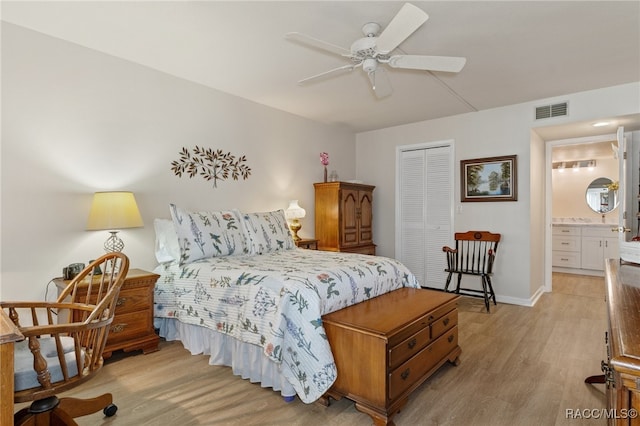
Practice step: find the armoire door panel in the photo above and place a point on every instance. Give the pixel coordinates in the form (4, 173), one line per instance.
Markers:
(365, 216)
(349, 217)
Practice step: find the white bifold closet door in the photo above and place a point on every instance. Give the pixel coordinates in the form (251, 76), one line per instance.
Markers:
(425, 212)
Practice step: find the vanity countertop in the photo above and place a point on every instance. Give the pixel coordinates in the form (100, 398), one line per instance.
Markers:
(594, 224)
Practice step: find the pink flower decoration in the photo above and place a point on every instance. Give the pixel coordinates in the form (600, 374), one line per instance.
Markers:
(324, 158)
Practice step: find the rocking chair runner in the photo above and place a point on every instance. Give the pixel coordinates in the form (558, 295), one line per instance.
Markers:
(59, 355)
(474, 254)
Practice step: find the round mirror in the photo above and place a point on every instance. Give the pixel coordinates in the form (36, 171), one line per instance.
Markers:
(602, 195)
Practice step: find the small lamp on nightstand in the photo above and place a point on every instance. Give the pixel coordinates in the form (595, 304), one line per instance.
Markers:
(294, 213)
(112, 211)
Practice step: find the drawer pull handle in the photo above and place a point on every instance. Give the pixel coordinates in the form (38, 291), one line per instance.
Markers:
(118, 328)
(450, 338)
(405, 374)
(430, 318)
(121, 301)
(412, 343)
(446, 321)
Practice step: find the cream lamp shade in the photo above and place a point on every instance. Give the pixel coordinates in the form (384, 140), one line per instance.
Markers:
(294, 213)
(113, 211)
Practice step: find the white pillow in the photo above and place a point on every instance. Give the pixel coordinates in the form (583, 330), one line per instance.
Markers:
(208, 234)
(167, 247)
(267, 232)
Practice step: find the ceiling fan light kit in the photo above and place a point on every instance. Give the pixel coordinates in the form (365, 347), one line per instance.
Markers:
(373, 49)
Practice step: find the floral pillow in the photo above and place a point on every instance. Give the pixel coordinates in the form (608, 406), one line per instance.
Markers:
(267, 232)
(208, 234)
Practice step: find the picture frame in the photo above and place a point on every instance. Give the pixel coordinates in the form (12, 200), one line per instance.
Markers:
(489, 179)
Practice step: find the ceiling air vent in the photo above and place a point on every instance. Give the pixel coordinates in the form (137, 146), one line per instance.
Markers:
(548, 111)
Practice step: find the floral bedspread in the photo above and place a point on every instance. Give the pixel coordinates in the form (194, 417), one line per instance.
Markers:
(276, 301)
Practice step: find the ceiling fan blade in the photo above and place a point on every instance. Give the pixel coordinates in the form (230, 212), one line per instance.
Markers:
(380, 83)
(428, 63)
(328, 74)
(319, 44)
(408, 19)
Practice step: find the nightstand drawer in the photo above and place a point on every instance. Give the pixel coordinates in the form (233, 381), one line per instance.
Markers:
(310, 244)
(126, 326)
(132, 300)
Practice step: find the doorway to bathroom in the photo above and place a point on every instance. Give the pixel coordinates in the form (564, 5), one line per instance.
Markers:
(584, 178)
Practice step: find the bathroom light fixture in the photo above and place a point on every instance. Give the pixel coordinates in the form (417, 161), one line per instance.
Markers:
(574, 165)
(601, 124)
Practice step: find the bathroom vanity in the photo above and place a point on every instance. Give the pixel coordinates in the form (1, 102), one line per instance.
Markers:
(582, 248)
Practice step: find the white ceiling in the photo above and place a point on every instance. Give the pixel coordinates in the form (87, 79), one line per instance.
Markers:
(516, 51)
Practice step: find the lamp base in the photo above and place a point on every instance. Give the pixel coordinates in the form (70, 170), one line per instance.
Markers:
(295, 226)
(113, 243)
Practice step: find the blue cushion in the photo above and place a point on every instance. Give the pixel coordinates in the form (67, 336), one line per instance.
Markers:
(25, 376)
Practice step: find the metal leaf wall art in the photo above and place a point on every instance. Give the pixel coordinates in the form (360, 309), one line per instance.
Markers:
(212, 165)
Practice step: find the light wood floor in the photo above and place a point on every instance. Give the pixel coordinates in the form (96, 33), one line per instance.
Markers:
(520, 366)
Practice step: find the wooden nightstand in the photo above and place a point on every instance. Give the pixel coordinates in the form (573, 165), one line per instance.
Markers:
(307, 244)
(132, 326)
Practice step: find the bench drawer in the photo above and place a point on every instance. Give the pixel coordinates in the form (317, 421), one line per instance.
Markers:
(444, 323)
(411, 371)
(411, 346)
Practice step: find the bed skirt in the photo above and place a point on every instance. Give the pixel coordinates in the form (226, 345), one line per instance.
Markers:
(246, 360)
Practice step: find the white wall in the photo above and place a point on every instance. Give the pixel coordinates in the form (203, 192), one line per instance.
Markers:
(495, 132)
(569, 189)
(76, 121)
(537, 213)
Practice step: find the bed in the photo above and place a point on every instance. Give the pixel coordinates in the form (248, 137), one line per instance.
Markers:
(235, 287)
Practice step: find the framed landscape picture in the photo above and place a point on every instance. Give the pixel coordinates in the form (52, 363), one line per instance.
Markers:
(489, 179)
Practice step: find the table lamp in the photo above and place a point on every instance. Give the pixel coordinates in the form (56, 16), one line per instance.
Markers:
(113, 211)
(294, 213)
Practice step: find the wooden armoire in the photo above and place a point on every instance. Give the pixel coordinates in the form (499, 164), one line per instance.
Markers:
(344, 217)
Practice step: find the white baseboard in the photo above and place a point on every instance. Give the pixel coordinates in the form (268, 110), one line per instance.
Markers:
(530, 302)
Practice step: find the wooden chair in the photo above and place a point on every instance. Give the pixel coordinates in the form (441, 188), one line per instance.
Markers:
(58, 355)
(474, 254)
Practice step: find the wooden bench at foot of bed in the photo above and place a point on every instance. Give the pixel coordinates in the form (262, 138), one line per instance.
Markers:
(385, 347)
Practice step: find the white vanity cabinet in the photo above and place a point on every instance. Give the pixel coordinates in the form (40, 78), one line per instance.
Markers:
(566, 246)
(583, 248)
(598, 243)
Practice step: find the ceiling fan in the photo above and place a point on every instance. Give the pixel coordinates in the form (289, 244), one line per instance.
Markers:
(373, 50)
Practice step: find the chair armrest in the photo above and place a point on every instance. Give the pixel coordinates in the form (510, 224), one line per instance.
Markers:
(45, 312)
(448, 249)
